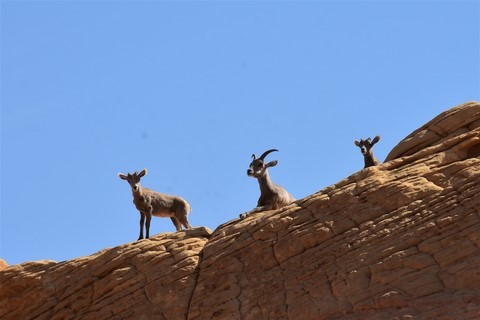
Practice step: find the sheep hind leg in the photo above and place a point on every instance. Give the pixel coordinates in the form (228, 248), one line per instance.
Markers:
(182, 217)
(185, 223)
(176, 223)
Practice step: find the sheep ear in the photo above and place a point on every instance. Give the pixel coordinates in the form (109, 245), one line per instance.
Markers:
(142, 173)
(122, 176)
(271, 164)
(376, 139)
(357, 143)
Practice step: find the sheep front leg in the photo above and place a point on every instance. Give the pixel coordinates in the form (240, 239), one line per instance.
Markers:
(255, 210)
(147, 225)
(142, 222)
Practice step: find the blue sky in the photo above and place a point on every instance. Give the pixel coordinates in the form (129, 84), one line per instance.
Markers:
(190, 90)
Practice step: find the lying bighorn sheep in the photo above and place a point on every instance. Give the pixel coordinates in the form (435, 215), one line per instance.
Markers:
(366, 149)
(151, 203)
(272, 196)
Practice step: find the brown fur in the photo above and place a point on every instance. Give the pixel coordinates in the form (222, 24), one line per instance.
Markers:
(151, 203)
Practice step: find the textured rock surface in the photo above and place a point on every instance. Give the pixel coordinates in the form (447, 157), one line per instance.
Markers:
(3, 264)
(448, 124)
(148, 279)
(396, 241)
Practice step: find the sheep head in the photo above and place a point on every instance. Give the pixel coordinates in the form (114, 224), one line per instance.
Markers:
(258, 167)
(366, 145)
(133, 179)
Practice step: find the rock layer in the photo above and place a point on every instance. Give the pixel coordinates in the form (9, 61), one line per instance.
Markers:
(148, 279)
(451, 123)
(396, 241)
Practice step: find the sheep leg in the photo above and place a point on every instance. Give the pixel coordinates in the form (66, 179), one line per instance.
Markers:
(243, 215)
(147, 225)
(182, 215)
(176, 223)
(142, 222)
(186, 224)
(255, 210)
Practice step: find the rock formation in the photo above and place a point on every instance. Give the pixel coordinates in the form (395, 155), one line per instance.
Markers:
(396, 241)
(3, 264)
(148, 279)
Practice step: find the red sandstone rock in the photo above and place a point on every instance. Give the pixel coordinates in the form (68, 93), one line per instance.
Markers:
(3, 264)
(148, 279)
(396, 241)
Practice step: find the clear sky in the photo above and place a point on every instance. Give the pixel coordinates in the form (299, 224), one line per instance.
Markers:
(190, 90)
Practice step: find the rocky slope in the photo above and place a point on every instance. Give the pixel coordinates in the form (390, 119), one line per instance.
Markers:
(396, 241)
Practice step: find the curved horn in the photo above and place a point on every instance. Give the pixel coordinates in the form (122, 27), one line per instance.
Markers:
(266, 153)
(253, 156)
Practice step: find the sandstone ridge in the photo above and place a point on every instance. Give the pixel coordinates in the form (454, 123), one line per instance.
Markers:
(396, 241)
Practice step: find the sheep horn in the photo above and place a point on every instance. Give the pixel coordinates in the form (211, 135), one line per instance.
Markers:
(266, 153)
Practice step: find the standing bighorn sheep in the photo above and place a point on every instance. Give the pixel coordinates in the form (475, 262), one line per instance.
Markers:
(366, 149)
(151, 203)
(272, 196)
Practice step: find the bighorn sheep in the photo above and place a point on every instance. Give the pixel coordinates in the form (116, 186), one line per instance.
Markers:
(366, 149)
(272, 196)
(151, 203)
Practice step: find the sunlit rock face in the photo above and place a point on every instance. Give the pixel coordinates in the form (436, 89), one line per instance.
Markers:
(396, 241)
(147, 279)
